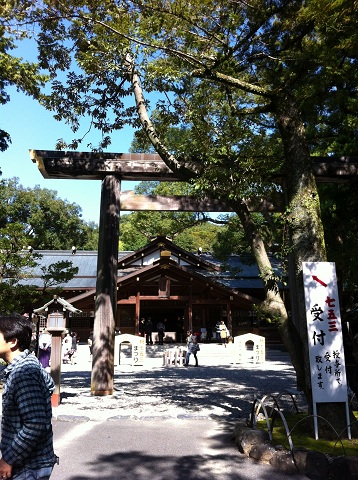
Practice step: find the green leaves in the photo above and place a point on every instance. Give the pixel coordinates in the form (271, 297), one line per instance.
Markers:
(36, 219)
(47, 221)
(57, 273)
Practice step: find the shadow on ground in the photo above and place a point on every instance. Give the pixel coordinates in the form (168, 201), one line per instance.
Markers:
(209, 390)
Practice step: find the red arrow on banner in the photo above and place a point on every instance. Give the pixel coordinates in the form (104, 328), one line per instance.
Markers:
(318, 280)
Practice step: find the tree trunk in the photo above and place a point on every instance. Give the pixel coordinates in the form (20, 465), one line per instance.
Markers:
(273, 303)
(303, 218)
(306, 237)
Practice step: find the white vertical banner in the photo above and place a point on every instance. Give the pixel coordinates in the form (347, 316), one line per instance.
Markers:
(325, 339)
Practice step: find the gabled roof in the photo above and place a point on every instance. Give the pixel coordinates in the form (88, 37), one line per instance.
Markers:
(55, 301)
(178, 274)
(146, 261)
(162, 245)
(171, 269)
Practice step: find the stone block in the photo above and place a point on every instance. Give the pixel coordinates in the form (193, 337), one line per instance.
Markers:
(262, 453)
(239, 430)
(314, 463)
(344, 467)
(253, 437)
(283, 461)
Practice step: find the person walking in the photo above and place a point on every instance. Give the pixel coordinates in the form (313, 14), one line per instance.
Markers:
(26, 430)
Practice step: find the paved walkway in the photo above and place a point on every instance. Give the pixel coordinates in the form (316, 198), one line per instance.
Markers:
(164, 422)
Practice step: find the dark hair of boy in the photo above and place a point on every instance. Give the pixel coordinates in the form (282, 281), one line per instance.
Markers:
(19, 327)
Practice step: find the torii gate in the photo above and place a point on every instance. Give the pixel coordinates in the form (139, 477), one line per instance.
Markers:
(111, 169)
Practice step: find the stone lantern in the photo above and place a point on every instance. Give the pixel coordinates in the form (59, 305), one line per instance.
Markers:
(57, 311)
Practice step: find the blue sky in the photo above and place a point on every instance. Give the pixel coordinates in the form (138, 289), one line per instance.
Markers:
(31, 126)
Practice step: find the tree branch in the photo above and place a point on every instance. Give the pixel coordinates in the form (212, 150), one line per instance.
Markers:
(234, 82)
(185, 171)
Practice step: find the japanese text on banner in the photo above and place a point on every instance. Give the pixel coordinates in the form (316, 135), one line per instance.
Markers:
(325, 339)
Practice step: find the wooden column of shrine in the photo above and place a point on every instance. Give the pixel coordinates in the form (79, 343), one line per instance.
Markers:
(229, 317)
(137, 313)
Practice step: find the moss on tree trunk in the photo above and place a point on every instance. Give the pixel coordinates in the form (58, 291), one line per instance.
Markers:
(306, 242)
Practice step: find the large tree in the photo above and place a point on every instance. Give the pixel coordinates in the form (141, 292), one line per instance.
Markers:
(267, 72)
(48, 221)
(35, 219)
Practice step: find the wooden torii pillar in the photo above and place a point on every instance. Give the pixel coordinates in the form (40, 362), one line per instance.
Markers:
(106, 288)
(111, 168)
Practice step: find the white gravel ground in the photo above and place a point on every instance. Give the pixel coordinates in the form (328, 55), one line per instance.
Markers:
(217, 388)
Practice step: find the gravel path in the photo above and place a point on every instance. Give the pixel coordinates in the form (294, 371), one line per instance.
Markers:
(217, 388)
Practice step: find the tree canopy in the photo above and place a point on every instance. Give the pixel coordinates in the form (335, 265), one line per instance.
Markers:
(35, 219)
(47, 221)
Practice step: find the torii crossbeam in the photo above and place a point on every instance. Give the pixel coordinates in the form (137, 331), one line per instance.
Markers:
(111, 169)
(145, 166)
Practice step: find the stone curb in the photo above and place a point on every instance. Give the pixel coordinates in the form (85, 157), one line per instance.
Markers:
(71, 418)
(254, 443)
(83, 419)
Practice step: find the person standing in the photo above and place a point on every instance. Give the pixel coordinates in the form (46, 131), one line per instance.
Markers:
(74, 341)
(90, 343)
(217, 331)
(148, 331)
(223, 332)
(26, 430)
(142, 327)
(192, 348)
(67, 348)
(161, 331)
(45, 348)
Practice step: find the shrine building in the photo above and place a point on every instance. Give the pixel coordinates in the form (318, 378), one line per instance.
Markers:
(162, 281)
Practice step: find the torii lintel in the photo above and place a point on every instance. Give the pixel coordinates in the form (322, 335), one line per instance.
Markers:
(148, 166)
(95, 166)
